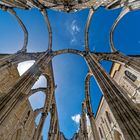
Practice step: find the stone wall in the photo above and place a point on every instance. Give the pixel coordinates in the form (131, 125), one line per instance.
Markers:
(106, 123)
(20, 124)
(8, 77)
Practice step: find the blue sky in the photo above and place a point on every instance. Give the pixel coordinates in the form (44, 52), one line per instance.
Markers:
(70, 70)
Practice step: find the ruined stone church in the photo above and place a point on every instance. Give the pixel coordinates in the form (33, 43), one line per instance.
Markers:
(118, 114)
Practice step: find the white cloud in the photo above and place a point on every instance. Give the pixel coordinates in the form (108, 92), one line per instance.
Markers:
(24, 66)
(76, 118)
(74, 27)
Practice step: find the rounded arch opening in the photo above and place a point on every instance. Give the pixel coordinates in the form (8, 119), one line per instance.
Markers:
(41, 82)
(37, 100)
(24, 66)
(15, 32)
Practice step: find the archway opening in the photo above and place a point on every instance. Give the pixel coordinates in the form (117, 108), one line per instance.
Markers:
(24, 66)
(37, 100)
(69, 77)
(41, 82)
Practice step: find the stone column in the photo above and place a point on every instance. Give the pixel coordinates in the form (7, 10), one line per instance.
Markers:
(46, 109)
(38, 131)
(84, 122)
(89, 108)
(52, 122)
(128, 7)
(126, 115)
(53, 133)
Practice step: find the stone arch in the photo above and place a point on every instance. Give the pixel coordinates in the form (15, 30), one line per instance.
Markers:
(126, 9)
(39, 91)
(66, 51)
(13, 13)
(89, 107)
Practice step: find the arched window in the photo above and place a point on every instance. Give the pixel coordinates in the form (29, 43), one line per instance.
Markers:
(24, 66)
(130, 75)
(100, 131)
(28, 113)
(108, 117)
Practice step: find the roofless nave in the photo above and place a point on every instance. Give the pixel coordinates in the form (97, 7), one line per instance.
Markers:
(15, 93)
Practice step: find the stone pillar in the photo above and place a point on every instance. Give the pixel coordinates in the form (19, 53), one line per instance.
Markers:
(84, 123)
(126, 115)
(52, 122)
(46, 109)
(80, 132)
(89, 108)
(53, 133)
(38, 131)
(91, 12)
